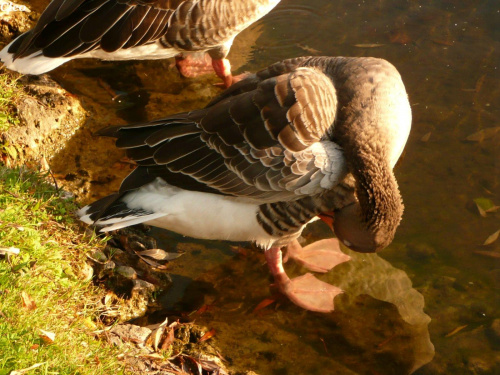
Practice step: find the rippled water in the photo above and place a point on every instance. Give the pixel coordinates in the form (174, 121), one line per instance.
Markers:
(428, 303)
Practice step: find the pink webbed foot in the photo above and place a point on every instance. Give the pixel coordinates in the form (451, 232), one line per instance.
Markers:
(196, 64)
(310, 293)
(193, 65)
(305, 291)
(320, 256)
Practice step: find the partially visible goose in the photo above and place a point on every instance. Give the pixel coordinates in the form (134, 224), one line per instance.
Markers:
(304, 138)
(134, 29)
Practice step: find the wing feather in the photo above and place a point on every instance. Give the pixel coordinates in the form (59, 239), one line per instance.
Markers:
(70, 27)
(267, 141)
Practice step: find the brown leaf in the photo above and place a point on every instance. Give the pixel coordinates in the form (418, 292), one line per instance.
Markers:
(28, 302)
(159, 254)
(25, 370)
(483, 134)
(202, 310)
(212, 366)
(455, 331)
(444, 42)
(195, 361)
(151, 262)
(157, 335)
(368, 45)
(484, 205)
(169, 340)
(207, 336)
(492, 238)
(264, 304)
(426, 137)
(47, 337)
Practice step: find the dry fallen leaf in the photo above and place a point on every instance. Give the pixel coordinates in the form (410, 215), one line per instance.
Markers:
(169, 340)
(264, 304)
(212, 366)
(28, 302)
(47, 337)
(368, 45)
(426, 137)
(159, 254)
(155, 338)
(195, 361)
(444, 42)
(208, 335)
(492, 238)
(10, 250)
(109, 298)
(455, 331)
(484, 205)
(483, 134)
(25, 370)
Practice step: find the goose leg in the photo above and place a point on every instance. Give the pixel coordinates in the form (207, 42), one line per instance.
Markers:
(320, 256)
(305, 291)
(222, 68)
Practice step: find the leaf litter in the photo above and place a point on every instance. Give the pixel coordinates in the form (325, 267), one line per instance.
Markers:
(180, 348)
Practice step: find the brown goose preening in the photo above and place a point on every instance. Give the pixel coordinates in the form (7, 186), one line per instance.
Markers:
(134, 29)
(304, 138)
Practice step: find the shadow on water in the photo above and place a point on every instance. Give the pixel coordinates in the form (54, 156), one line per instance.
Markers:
(448, 55)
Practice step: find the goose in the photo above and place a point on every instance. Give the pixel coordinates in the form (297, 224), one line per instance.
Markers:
(305, 138)
(135, 29)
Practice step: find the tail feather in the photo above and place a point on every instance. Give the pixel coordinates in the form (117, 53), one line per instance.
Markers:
(34, 63)
(111, 213)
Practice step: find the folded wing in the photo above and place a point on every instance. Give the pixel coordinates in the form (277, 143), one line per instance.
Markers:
(268, 141)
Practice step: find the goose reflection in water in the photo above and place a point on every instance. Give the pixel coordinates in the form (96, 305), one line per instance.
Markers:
(379, 321)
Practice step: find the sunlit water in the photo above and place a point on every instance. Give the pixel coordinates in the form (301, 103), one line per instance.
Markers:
(448, 55)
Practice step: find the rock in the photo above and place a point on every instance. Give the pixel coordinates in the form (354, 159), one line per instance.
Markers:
(129, 332)
(15, 18)
(48, 117)
(126, 271)
(99, 256)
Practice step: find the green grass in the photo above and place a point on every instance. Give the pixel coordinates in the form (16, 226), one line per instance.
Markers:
(10, 93)
(48, 271)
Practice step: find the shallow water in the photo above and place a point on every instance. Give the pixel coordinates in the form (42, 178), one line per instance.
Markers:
(435, 284)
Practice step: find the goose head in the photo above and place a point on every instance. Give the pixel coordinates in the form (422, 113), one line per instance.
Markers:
(372, 125)
(369, 224)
